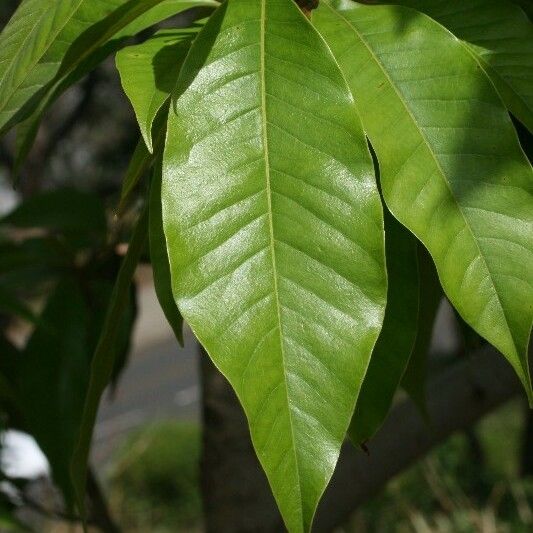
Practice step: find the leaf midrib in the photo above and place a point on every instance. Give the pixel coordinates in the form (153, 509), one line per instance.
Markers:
(272, 238)
(437, 164)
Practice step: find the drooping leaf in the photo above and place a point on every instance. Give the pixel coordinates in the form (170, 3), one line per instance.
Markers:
(100, 293)
(142, 160)
(124, 336)
(52, 378)
(500, 36)
(452, 170)
(148, 73)
(159, 258)
(430, 296)
(397, 338)
(46, 41)
(104, 358)
(140, 163)
(275, 235)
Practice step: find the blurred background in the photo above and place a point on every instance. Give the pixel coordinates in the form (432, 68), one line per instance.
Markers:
(148, 437)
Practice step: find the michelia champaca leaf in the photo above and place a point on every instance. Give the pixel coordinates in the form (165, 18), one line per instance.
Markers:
(452, 169)
(51, 379)
(430, 296)
(398, 335)
(274, 230)
(159, 257)
(46, 40)
(148, 73)
(105, 356)
(500, 36)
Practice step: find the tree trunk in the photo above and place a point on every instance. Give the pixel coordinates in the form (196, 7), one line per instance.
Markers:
(236, 494)
(235, 491)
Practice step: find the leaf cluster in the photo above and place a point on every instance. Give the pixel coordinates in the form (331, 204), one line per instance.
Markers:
(322, 174)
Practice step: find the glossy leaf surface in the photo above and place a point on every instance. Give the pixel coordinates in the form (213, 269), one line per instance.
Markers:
(275, 235)
(148, 74)
(500, 36)
(397, 338)
(452, 169)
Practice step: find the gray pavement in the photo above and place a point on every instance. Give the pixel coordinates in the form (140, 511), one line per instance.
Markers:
(160, 382)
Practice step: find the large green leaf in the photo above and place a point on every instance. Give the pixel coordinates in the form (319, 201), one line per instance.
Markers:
(46, 41)
(275, 235)
(159, 257)
(500, 36)
(397, 338)
(148, 73)
(104, 359)
(451, 166)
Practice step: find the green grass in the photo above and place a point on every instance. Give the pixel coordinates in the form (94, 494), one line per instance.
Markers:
(154, 485)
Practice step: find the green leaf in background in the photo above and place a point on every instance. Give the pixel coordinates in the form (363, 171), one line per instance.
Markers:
(34, 43)
(100, 292)
(397, 338)
(527, 6)
(52, 379)
(452, 169)
(142, 160)
(13, 306)
(140, 163)
(415, 376)
(46, 41)
(500, 36)
(77, 214)
(159, 258)
(104, 359)
(275, 235)
(32, 263)
(148, 73)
